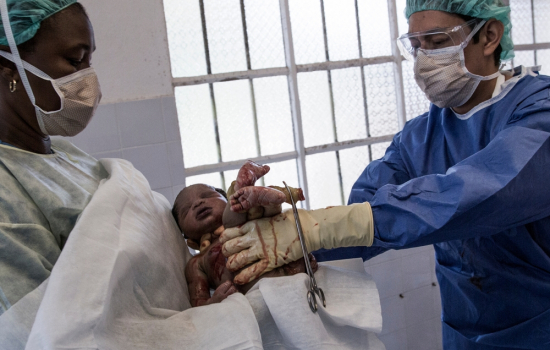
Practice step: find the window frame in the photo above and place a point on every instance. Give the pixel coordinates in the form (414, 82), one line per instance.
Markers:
(291, 72)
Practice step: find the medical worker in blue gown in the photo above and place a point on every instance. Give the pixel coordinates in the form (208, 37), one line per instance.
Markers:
(471, 177)
(44, 184)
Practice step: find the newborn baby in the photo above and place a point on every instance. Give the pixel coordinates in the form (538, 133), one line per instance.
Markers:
(203, 212)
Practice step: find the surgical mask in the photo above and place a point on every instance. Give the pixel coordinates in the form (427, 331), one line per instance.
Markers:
(79, 92)
(442, 74)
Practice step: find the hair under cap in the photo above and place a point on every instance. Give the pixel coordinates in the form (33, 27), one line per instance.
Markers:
(27, 15)
(483, 9)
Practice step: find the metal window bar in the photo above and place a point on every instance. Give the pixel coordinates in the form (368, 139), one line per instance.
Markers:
(294, 98)
(211, 88)
(291, 72)
(272, 72)
(363, 84)
(332, 108)
(398, 67)
(533, 31)
(251, 85)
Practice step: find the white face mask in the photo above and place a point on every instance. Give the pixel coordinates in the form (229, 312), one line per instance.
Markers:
(443, 77)
(79, 92)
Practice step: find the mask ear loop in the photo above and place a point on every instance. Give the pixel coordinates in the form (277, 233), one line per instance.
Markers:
(17, 59)
(473, 32)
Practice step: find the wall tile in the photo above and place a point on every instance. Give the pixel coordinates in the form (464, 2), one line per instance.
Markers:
(393, 314)
(422, 336)
(386, 256)
(152, 161)
(113, 154)
(170, 114)
(166, 192)
(140, 122)
(176, 190)
(437, 299)
(438, 333)
(388, 277)
(101, 135)
(419, 305)
(395, 341)
(417, 270)
(175, 157)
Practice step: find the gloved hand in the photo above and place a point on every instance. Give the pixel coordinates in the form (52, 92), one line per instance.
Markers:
(272, 242)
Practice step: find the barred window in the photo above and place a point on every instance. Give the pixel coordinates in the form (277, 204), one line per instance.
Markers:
(314, 88)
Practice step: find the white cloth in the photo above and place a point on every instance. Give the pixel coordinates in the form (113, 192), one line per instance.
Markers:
(119, 284)
(350, 320)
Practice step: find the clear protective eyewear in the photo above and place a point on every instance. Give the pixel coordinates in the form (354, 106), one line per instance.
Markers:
(437, 39)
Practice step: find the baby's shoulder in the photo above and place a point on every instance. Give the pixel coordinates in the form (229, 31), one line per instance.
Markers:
(195, 263)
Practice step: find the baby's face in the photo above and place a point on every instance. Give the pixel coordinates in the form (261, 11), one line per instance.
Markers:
(200, 210)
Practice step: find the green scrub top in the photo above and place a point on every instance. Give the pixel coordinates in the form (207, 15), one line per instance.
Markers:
(41, 197)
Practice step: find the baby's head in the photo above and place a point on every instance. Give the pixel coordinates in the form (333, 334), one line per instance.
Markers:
(198, 209)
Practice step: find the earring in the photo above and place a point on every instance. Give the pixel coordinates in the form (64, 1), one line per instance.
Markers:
(13, 85)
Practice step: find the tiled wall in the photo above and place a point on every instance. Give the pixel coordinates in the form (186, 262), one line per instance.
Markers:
(146, 133)
(409, 294)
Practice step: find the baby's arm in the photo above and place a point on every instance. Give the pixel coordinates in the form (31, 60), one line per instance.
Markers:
(249, 173)
(272, 196)
(199, 289)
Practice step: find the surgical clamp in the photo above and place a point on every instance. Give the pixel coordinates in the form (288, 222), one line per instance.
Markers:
(313, 288)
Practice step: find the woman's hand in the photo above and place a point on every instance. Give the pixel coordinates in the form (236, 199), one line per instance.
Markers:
(261, 245)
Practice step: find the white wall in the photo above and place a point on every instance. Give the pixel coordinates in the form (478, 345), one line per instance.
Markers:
(132, 59)
(137, 120)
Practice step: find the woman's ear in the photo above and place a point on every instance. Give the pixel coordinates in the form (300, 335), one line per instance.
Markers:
(493, 30)
(8, 71)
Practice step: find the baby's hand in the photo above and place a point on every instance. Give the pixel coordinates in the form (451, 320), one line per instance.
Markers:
(223, 291)
(253, 196)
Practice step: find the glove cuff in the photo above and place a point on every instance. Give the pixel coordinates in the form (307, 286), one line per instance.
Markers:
(345, 226)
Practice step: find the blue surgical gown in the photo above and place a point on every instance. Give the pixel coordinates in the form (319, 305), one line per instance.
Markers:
(479, 191)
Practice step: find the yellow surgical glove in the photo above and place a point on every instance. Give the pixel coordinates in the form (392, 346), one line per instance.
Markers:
(272, 242)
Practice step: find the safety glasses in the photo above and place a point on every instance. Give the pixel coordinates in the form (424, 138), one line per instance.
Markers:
(437, 39)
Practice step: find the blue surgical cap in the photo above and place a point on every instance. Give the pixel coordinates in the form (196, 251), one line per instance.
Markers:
(483, 9)
(26, 16)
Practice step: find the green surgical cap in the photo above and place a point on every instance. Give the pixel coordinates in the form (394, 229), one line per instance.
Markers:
(483, 9)
(26, 16)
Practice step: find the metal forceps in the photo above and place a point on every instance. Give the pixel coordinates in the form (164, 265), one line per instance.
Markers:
(313, 288)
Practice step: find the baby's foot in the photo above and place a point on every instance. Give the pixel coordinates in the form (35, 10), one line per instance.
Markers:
(254, 196)
(222, 292)
(249, 173)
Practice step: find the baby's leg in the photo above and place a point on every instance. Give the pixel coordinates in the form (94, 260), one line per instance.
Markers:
(249, 173)
(253, 196)
(198, 286)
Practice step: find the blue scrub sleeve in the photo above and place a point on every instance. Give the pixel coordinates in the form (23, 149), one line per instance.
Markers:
(498, 188)
(390, 169)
